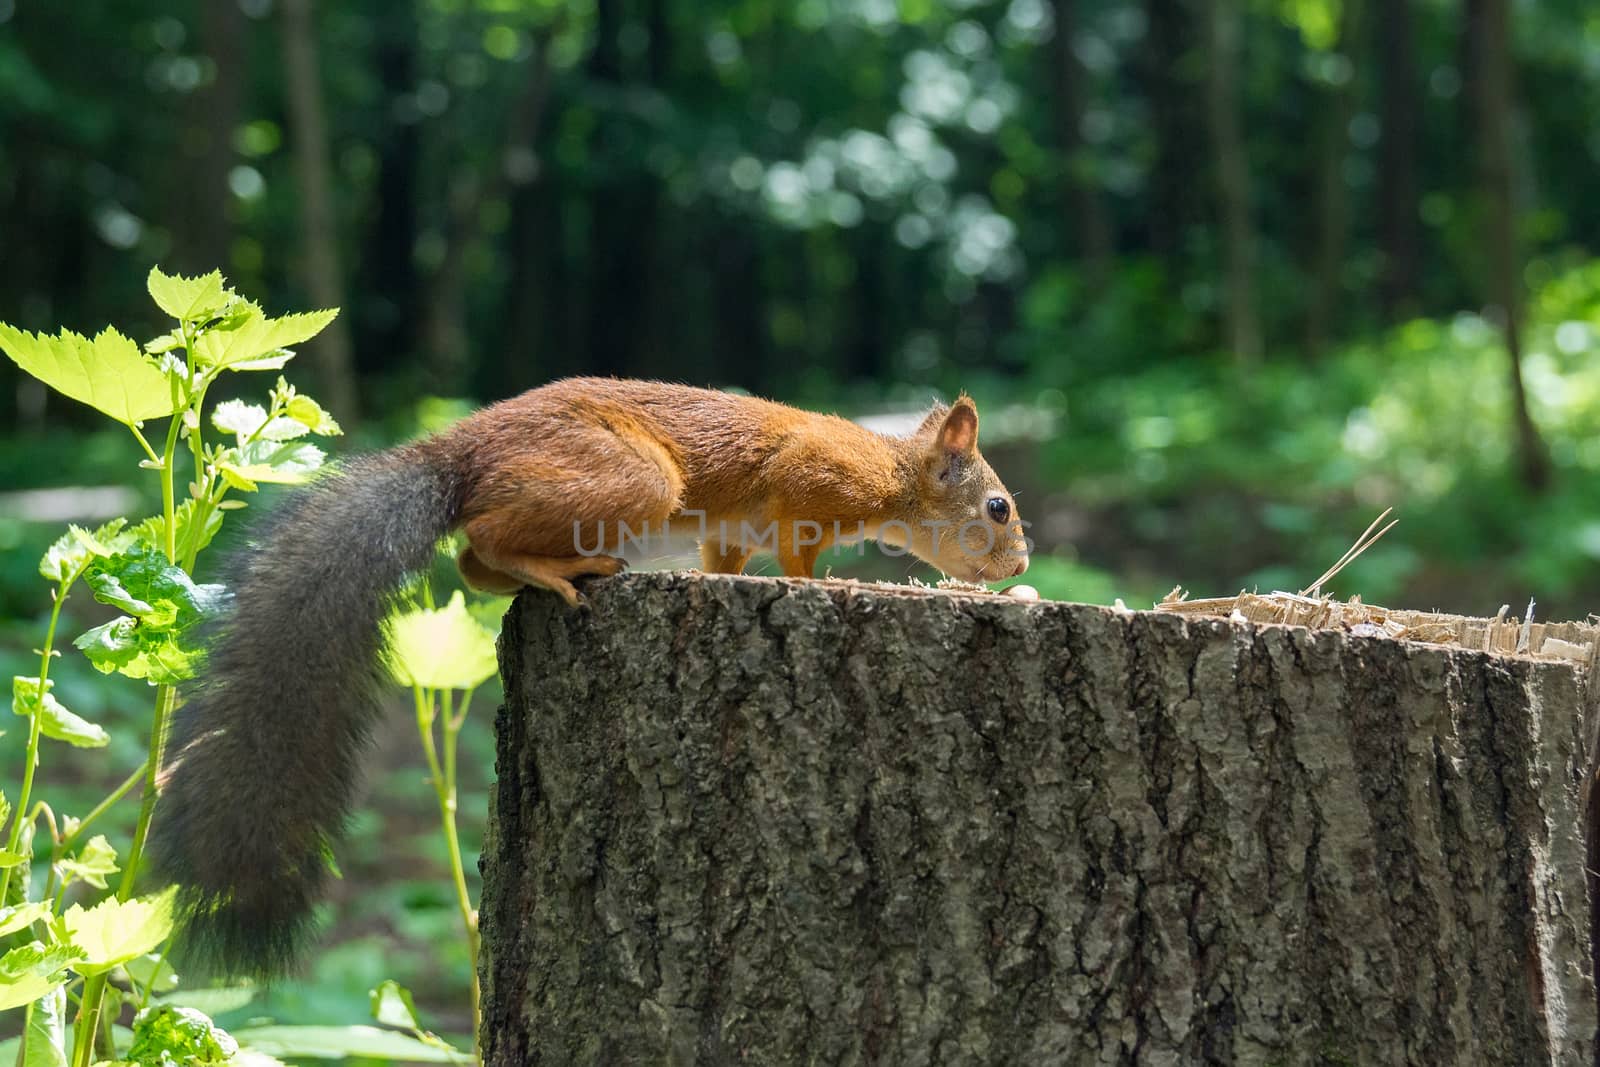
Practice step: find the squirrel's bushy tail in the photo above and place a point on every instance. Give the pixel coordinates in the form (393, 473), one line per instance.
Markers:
(263, 758)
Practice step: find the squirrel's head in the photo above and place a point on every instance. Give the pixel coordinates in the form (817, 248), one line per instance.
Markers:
(969, 527)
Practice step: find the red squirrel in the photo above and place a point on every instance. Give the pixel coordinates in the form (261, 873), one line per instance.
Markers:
(265, 752)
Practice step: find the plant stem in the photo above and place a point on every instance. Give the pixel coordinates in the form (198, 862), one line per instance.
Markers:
(88, 1020)
(168, 505)
(100, 809)
(444, 787)
(35, 725)
(166, 701)
(202, 495)
(145, 445)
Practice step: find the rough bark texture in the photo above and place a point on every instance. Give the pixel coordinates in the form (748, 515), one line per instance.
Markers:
(751, 820)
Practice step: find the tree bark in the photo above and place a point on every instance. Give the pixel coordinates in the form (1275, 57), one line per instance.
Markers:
(1241, 322)
(1489, 49)
(1333, 192)
(747, 820)
(319, 233)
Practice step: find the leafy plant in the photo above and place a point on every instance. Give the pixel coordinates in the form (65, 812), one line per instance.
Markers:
(111, 951)
(444, 654)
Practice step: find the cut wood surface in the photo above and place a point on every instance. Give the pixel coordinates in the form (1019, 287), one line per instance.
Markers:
(765, 821)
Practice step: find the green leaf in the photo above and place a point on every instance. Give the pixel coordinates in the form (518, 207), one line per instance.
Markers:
(249, 1057)
(256, 342)
(392, 1006)
(245, 421)
(337, 1042)
(108, 589)
(73, 550)
(311, 415)
(56, 722)
(10, 859)
(115, 931)
(189, 299)
(165, 603)
(141, 582)
(47, 1031)
(150, 531)
(154, 973)
(167, 342)
(92, 864)
(277, 462)
(124, 647)
(213, 1001)
(112, 646)
(109, 373)
(167, 1033)
(31, 971)
(236, 480)
(445, 648)
(237, 417)
(19, 916)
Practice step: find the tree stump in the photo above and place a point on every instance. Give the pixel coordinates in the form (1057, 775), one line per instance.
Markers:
(769, 822)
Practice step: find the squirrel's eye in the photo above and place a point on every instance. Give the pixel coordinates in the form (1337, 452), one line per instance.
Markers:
(999, 509)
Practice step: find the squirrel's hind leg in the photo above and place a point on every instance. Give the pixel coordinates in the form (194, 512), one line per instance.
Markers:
(513, 571)
(484, 578)
(545, 521)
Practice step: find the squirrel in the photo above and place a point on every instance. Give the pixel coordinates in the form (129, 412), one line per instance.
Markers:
(264, 752)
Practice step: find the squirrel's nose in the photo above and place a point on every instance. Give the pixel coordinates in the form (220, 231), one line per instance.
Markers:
(1022, 566)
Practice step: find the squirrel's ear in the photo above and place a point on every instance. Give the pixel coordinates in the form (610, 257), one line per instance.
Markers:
(959, 434)
(955, 443)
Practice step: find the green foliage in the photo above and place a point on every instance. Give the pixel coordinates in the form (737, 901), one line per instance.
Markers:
(443, 648)
(114, 931)
(1214, 468)
(340, 1042)
(166, 1035)
(31, 699)
(144, 571)
(109, 374)
(163, 604)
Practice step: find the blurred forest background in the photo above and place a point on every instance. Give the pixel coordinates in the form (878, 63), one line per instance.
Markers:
(1227, 277)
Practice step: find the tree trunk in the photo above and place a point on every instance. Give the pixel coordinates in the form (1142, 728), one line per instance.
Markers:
(319, 232)
(1087, 220)
(624, 194)
(1169, 72)
(1399, 202)
(1242, 326)
(444, 330)
(202, 230)
(386, 331)
(1489, 48)
(1332, 191)
(760, 821)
